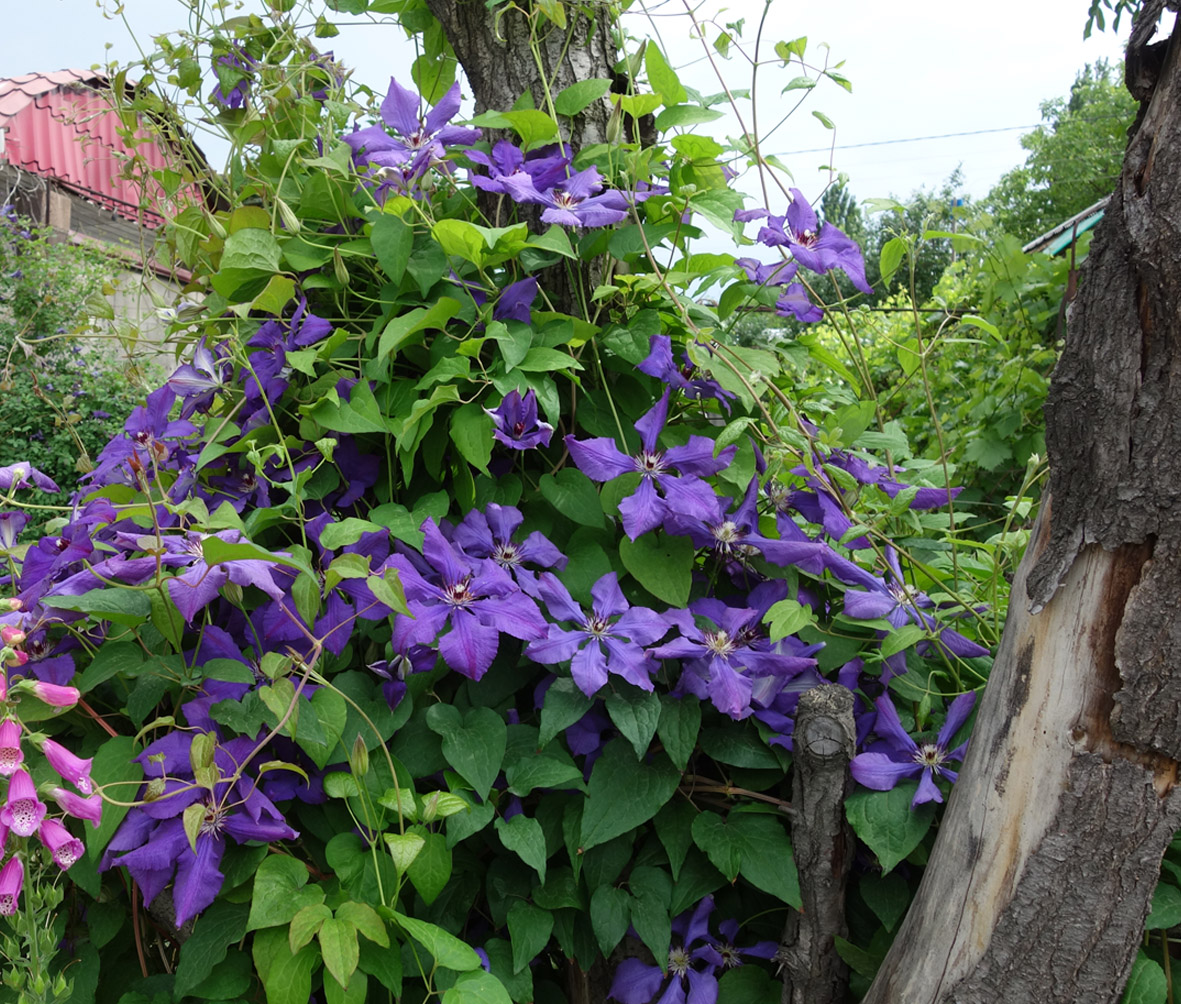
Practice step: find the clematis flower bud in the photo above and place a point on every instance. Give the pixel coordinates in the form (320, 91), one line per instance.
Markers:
(11, 636)
(11, 754)
(12, 877)
(64, 846)
(23, 811)
(72, 768)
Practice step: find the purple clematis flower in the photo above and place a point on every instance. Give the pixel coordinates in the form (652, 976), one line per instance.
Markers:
(515, 423)
(690, 978)
(545, 165)
(816, 247)
(576, 201)
(794, 302)
(900, 603)
(660, 364)
(609, 639)
(12, 523)
(151, 841)
(726, 654)
(272, 342)
(233, 71)
(25, 475)
(467, 601)
(601, 460)
(906, 759)
(419, 140)
(733, 535)
(199, 381)
(198, 585)
(489, 534)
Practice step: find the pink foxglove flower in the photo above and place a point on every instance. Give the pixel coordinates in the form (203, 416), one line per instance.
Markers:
(64, 846)
(11, 754)
(12, 877)
(90, 809)
(23, 811)
(57, 696)
(72, 768)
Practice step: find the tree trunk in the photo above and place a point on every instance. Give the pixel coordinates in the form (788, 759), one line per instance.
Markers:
(825, 740)
(496, 53)
(1045, 865)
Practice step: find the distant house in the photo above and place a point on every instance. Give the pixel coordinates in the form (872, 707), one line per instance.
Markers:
(68, 161)
(1067, 232)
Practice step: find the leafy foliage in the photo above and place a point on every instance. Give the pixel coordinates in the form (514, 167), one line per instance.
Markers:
(437, 630)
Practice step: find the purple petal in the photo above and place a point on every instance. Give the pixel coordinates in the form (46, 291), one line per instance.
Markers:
(880, 772)
(957, 714)
(652, 424)
(469, 647)
(599, 459)
(399, 110)
(889, 727)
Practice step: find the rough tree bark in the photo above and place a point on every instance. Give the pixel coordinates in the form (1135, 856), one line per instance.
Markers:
(497, 57)
(1045, 865)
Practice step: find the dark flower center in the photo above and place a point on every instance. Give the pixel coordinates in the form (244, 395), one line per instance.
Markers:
(564, 200)
(459, 594)
(597, 626)
(214, 820)
(806, 238)
(720, 643)
(506, 554)
(727, 536)
(930, 755)
(650, 465)
(730, 957)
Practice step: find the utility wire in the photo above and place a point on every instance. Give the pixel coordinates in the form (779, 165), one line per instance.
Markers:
(946, 135)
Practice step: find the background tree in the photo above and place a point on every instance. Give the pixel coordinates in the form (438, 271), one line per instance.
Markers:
(1074, 156)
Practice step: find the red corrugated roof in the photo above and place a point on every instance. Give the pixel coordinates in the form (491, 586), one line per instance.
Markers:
(60, 125)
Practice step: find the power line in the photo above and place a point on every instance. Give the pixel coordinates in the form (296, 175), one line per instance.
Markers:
(912, 139)
(952, 135)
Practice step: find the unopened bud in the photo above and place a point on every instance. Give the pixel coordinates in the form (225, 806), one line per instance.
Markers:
(359, 758)
(13, 636)
(338, 267)
(290, 220)
(215, 225)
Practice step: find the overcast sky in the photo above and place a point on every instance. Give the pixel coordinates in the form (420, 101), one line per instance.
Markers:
(919, 68)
